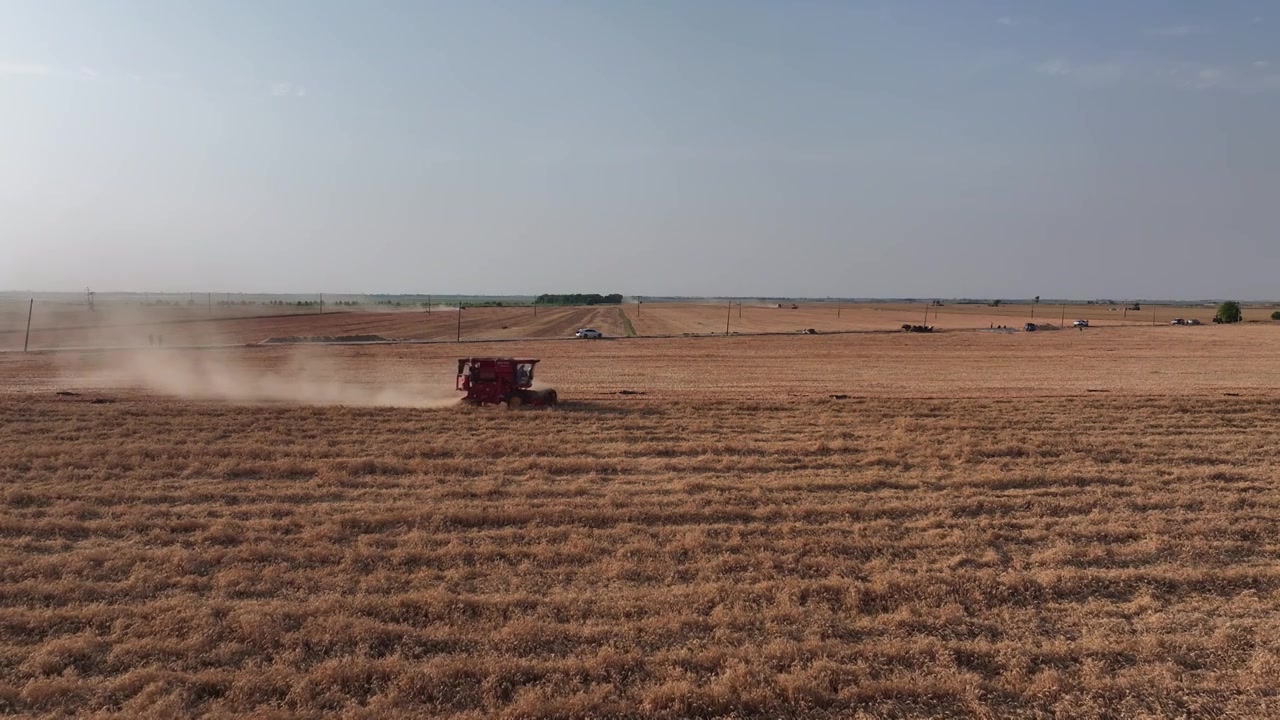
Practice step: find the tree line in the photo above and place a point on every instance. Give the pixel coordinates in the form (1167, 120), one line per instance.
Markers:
(580, 299)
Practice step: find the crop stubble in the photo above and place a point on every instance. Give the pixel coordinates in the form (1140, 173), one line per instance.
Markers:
(967, 536)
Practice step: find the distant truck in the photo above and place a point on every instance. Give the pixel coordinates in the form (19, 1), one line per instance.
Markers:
(1029, 327)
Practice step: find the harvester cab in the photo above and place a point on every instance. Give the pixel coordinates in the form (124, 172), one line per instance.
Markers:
(493, 381)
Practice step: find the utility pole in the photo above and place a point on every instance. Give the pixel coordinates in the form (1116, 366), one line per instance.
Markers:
(30, 306)
(428, 304)
(926, 312)
(1063, 322)
(321, 303)
(1153, 315)
(1034, 303)
(88, 297)
(739, 309)
(727, 316)
(837, 310)
(210, 300)
(459, 321)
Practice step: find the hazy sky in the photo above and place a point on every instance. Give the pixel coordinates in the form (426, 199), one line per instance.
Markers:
(991, 149)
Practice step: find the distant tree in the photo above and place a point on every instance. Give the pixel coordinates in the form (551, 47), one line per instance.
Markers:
(580, 299)
(1275, 315)
(1228, 312)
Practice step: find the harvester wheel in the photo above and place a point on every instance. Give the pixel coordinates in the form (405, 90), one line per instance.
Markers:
(514, 402)
(549, 397)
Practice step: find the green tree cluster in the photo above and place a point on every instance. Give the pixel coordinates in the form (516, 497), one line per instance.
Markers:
(580, 299)
(1228, 312)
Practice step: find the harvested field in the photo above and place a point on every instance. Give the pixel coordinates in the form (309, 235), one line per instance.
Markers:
(971, 533)
(477, 323)
(136, 326)
(681, 318)
(69, 314)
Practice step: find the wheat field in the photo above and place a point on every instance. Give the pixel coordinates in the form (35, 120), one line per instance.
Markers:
(979, 525)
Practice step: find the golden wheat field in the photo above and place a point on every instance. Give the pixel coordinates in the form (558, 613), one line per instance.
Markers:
(1070, 524)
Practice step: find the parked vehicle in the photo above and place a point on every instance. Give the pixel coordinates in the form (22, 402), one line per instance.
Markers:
(588, 333)
(1081, 323)
(1029, 327)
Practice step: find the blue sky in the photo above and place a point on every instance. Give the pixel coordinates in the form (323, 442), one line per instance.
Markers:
(988, 149)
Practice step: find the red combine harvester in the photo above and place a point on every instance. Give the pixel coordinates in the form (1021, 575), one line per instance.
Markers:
(493, 381)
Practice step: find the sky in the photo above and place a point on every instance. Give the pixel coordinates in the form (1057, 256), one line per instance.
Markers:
(1078, 149)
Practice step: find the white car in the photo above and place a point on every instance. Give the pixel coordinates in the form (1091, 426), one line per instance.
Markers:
(588, 333)
(1081, 323)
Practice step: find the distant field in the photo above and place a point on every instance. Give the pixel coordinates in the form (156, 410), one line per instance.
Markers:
(143, 327)
(56, 315)
(675, 319)
(62, 326)
(988, 525)
(1137, 360)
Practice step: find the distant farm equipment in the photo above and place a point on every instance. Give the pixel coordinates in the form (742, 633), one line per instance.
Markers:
(495, 381)
(908, 327)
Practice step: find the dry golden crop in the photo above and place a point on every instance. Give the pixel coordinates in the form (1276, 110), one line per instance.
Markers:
(1073, 524)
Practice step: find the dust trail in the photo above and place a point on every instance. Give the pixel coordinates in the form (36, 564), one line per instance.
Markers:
(304, 378)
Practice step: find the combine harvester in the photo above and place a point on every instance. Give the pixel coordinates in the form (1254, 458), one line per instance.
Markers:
(493, 381)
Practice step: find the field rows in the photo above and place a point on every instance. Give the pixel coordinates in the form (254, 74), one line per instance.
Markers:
(1056, 525)
(890, 556)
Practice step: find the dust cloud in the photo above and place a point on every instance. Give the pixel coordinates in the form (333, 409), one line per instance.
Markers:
(304, 378)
